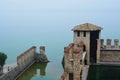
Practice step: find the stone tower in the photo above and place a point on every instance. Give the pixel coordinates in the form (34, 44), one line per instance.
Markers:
(89, 34)
(84, 50)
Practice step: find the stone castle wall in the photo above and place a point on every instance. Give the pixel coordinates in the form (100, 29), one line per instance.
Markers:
(23, 61)
(26, 58)
(110, 56)
(85, 40)
(72, 61)
(109, 52)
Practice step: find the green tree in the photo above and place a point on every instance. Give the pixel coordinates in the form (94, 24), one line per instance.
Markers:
(3, 58)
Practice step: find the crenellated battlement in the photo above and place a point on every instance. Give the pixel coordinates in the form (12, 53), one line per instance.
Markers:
(109, 45)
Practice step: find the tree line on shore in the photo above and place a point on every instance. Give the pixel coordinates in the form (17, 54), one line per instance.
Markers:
(3, 58)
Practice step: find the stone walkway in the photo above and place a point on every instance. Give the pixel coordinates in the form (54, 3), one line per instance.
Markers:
(109, 63)
(85, 72)
(8, 68)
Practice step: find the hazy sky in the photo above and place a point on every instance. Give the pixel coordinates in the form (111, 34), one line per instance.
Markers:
(47, 17)
(24, 14)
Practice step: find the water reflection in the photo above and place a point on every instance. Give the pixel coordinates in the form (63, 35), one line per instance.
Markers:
(37, 70)
(100, 72)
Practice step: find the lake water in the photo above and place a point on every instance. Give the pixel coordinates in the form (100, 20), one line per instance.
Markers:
(100, 72)
(39, 71)
(16, 45)
(13, 43)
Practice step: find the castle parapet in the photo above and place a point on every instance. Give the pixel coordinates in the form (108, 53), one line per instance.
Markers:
(42, 49)
(116, 44)
(42, 56)
(102, 43)
(109, 45)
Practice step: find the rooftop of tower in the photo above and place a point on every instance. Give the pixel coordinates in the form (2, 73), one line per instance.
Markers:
(87, 27)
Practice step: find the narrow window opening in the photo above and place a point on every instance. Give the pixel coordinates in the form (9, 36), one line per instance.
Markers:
(84, 48)
(78, 33)
(84, 34)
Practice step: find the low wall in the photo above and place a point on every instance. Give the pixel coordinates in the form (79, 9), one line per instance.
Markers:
(110, 56)
(27, 57)
(23, 61)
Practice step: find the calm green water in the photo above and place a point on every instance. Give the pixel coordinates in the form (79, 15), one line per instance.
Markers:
(104, 72)
(38, 71)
